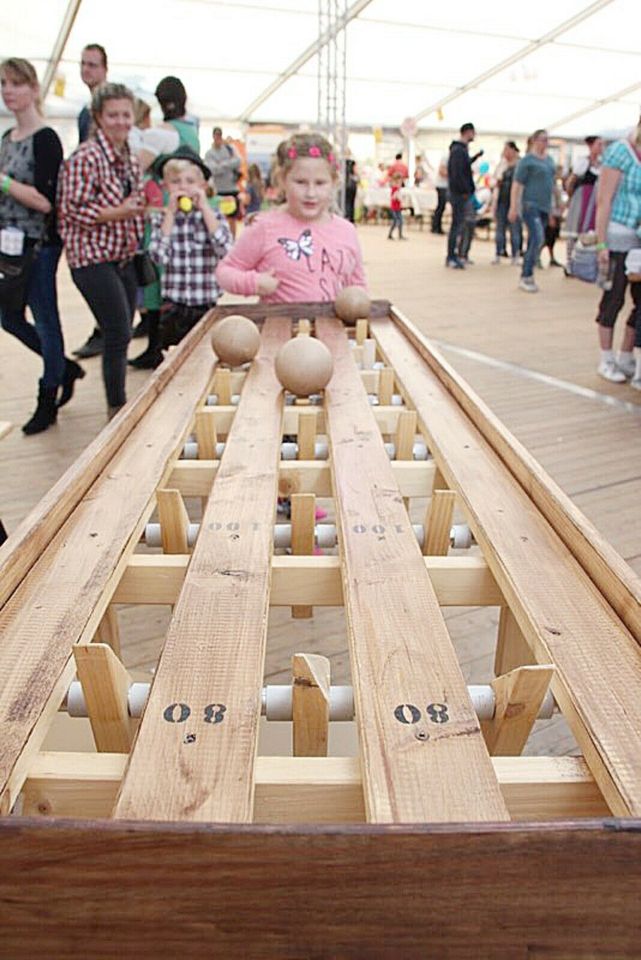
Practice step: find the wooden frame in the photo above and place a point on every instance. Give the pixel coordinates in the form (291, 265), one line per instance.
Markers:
(425, 875)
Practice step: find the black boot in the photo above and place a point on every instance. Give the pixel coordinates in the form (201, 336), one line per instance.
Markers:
(73, 372)
(152, 356)
(45, 413)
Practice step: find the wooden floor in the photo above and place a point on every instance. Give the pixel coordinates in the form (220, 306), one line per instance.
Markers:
(531, 358)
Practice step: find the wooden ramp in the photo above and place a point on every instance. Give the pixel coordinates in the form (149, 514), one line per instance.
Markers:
(401, 785)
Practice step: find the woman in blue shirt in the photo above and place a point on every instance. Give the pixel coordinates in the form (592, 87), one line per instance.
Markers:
(532, 194)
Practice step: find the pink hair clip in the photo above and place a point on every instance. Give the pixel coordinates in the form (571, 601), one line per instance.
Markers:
(292, 153)
(315, 151)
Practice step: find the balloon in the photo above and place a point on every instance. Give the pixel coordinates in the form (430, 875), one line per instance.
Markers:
(484, 168)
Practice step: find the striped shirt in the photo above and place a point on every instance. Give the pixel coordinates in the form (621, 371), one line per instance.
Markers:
(93, 179)
(189, 256)
(626, 205)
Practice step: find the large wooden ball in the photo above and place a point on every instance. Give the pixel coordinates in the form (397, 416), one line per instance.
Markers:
(235, 340)
(352, 303)
(304, 365)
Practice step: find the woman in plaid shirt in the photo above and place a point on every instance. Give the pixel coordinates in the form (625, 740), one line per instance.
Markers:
(100, 208)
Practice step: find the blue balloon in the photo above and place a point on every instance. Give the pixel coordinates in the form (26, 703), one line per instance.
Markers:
(484, 168)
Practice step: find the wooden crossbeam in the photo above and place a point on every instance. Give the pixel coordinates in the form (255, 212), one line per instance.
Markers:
(109, 631)
(194, 478)
(62, 599)
(417, 725)
(563, 617)
(311, 789)
(194, 755)
(457, 581)
(387, 418)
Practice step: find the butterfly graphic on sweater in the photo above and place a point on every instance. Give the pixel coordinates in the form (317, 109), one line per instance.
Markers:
(300, 249)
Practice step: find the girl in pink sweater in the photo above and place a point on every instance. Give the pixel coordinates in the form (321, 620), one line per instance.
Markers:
(300, 251)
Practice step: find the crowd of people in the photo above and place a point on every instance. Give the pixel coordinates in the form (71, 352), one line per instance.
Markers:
(133, 208)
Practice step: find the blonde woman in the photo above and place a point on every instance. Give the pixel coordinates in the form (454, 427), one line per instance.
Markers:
(30, 158)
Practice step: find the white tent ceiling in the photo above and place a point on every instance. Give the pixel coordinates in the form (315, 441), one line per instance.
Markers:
(568, 65)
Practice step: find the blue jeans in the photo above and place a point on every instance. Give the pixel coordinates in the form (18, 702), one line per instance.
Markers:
(397, 221)
(44, 335)
(503, 226)
(535, 221)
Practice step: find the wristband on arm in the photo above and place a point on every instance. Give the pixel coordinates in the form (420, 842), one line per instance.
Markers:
(5, 183)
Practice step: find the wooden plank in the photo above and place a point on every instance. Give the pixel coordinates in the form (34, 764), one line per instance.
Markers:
(438, 523)
(5, 427)
(306, 434)
(206, 436)
(213, 658)
(311, 790)
(519, 696)
(385, 386)
(355, 893)
(457, 581)
(405, 434)
(602, 563)
(404, 668)
(174, 521)
(310, 705)
(109, 630)
(303, 509)
(105, 685)
(512, 649)
(563, 617)
(63, 598)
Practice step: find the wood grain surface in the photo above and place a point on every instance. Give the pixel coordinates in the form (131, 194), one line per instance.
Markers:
(194, 755)
(422, 752)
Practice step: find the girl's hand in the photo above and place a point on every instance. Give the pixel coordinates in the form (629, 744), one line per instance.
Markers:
(266, 283)
(603, 257)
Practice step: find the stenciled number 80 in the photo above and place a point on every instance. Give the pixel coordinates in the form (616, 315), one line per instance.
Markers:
(409, 714)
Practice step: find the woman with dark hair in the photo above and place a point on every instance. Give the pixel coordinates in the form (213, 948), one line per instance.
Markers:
(172, 97)
(101, 221)
(30, 158)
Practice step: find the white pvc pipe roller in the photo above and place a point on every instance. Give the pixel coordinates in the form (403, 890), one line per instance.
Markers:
(289, 450)
(325, 535)
(397, 400)
(276, 703)
(212, 400)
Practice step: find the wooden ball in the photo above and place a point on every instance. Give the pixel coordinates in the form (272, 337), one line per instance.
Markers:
(235, 339)
(304, 365)
(352, 303)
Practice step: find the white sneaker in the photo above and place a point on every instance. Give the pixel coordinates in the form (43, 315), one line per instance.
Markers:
(495, 262)
(528, 284)
(627, 366)
(610, 371)
(636, 384)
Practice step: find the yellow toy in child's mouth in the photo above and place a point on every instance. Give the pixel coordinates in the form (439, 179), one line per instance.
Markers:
(186, 204)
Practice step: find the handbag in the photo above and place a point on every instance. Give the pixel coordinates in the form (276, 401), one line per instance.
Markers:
(584, 263)
(145, 268)
(14, 279)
